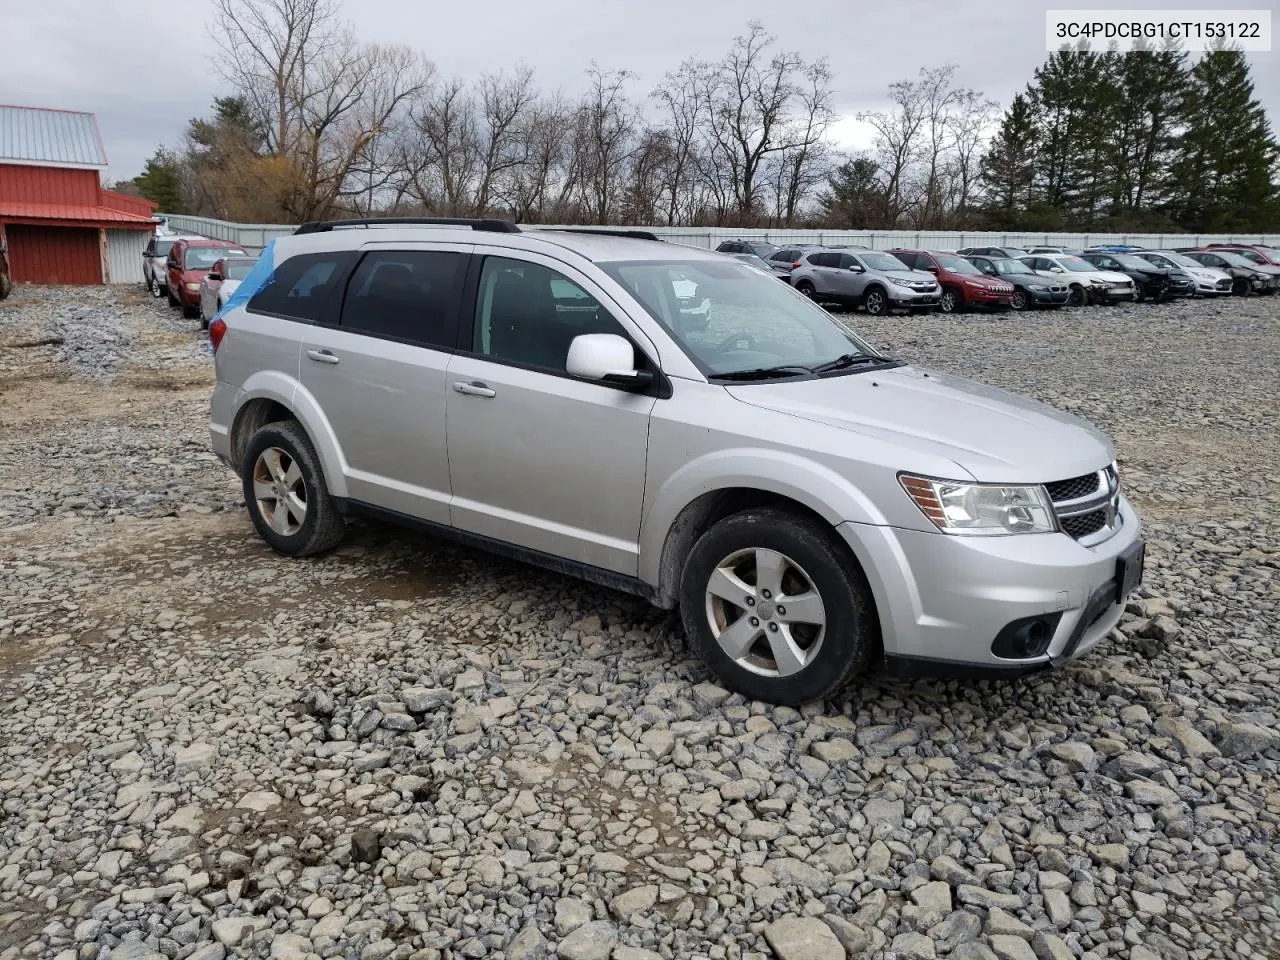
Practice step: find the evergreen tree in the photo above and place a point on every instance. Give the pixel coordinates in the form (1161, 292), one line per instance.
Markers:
(161, 181)
(1008, 169)
(1224, 174)
(853, 195)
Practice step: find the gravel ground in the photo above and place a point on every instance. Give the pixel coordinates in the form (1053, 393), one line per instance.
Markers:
(410, 750)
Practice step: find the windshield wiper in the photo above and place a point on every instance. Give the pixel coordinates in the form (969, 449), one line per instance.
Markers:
(764, 373)
(849, 360)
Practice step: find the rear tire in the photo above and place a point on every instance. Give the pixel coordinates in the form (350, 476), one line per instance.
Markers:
(285, 492)
(830, 632)
(807, 288)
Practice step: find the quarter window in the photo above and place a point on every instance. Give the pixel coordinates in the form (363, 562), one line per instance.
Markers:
(301, 286)
(527, 314)
(405, 295)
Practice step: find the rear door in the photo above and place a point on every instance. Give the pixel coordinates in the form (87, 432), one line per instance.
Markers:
(377, 370)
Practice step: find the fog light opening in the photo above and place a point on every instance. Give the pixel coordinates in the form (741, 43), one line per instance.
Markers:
(1026, 638)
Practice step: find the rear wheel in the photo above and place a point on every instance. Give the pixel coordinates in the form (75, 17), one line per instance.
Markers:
(876, 302)
(285, 491)
(807, 288)
(773, 603)
(951, 301)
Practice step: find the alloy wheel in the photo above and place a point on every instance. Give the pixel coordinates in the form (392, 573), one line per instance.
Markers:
(1019, 300)
(875, 303)
(947, 303)
(765, 612)
(280, 491)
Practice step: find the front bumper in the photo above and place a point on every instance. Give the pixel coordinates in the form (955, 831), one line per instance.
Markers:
(982, 299)
(943, 599)
(1048, 297)
(1213, 288)
(1112, 293)
(904, 298)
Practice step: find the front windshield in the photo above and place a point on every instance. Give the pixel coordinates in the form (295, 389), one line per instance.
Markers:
(202, 258)
(882, 261)
(1234, 259)
(730, 318)
(237, 269)
(1176, 258)
(955, 264)
(1011, 266)
(1076, 265)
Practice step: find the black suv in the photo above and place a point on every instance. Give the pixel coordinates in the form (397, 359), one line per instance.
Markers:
(1149, 281)
(1009, 253)
(761, 248)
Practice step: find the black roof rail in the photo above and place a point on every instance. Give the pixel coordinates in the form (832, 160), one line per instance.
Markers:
(605, 231)
(482, 224)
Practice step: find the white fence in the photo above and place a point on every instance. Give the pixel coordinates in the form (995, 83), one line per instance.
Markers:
(254, 236)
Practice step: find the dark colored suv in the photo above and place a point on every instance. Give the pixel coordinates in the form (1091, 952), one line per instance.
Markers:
(1150, 282)
(761, 248)
(963, 284)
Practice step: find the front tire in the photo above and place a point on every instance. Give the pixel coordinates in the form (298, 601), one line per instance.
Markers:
(774, 604)
(876, 302)
(951, 301)
(285, 492)
(1240, 287)
(1019, 300)
(1077, 297)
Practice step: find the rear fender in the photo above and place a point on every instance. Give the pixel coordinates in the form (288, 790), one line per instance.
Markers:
(273, 385)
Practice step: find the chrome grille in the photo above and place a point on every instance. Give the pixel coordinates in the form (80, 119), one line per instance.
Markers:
(1088, 507)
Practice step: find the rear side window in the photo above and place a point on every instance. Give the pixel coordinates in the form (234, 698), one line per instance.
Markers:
(406, 295)
(302, 286)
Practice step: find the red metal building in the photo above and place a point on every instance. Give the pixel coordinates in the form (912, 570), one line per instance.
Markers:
(59, 224)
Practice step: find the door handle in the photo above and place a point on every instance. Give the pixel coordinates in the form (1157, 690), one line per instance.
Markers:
(474, 389)
(322, 356)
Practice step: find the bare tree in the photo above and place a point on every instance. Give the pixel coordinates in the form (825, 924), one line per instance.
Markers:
(606, 129)
(439, 152)
(504, 103)
(897, 144)
(804, 163)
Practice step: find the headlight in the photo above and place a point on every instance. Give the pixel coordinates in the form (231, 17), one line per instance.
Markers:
(193, 286)
(902, 281)
(981, 509)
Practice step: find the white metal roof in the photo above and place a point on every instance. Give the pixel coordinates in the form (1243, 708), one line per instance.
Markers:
(54, 138)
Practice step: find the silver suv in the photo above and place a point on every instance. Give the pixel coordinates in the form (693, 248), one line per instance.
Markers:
(670, 422)
(880, 282)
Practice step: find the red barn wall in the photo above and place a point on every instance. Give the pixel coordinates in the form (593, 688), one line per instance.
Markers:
(24, 184)
(54, 254)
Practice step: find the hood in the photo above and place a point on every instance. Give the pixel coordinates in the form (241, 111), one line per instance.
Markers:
(982, 280)
(917, 276)
(1212, 274)
(1108, 276)
(990, 434)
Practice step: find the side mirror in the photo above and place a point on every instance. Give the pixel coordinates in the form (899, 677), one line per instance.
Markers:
(857, 268)
(932, 268)
(605, 357)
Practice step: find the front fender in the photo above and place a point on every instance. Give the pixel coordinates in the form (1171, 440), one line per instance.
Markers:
(815, 486)
(273, 385)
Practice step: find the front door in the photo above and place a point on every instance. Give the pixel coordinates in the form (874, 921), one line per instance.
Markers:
(538, 458)
(378, 373)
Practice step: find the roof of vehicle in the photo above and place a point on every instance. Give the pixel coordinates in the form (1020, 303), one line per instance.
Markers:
(206, 242)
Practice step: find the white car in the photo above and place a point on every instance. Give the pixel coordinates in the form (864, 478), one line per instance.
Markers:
(1209, 281)
(1086, 282)
(220, 283)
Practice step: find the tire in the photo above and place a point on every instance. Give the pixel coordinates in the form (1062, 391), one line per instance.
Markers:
(813, 561)
(189, 312)
(1240, 287)
(1019, 299)
(807, 288)
(951, 301)
(1140, 294)
(321, 526)
(1076, 297)
(173, 301)
(876, 302)
(153, 287)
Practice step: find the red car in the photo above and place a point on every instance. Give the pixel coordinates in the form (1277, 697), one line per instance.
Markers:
(963, 284)
(1257, 252)
(189, 261)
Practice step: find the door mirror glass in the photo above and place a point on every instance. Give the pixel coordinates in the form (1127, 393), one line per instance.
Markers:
(1056, 269)
(606, 357)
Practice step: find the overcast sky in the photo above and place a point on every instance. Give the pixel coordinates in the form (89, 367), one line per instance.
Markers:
(145, 67)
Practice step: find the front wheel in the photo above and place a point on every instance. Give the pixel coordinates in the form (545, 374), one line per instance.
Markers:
(153, 287)
(1019, 300)
(876, 302)
(1077, 296)
(773, 603)
(951, 301)
(1240, 287)
(285, 492)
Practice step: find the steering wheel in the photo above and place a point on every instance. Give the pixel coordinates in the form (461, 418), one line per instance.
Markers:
(736, 341)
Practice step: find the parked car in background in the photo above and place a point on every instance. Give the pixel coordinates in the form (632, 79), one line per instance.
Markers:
(785, 259)
(808, 503)
(761, 248)
(751, 260)
(1006, 252)
(220, 283)
(1247, 277)
(1055, 251)
(186, 266)
(1150, 282)
(878, 281)
(963, 285)
(1209, 281)
(1113, 248)
(1029, 288)
(1257, 252)
(1085, 282)
(847, 246)
(155, 276)
(6, 276)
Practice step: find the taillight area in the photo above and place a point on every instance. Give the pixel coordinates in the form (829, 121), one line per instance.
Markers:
(796, 265)
(217, 330)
